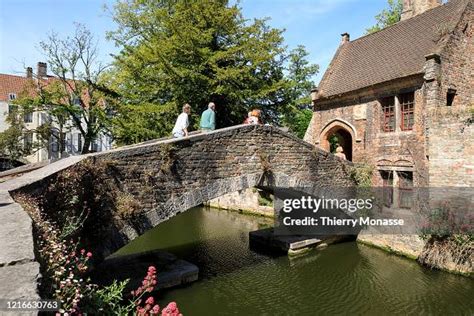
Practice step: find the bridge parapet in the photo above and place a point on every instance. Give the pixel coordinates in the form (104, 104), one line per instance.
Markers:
(131, 189)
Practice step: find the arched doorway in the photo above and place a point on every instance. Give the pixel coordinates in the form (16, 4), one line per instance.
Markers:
(338, 136)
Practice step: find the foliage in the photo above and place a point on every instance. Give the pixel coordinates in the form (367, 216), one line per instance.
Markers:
(443, 221)
(65, 267)
(109, 300)
(126, 205)
(265, 162)
(168, 158)
(135, 123)
(362, 174)
(76, 95)
(297, 112)
(46, 97)
(453, 253)
(388, 16)
(333, 143)
(12, 139)
(177, 51)
(299, 123)
(265, 199)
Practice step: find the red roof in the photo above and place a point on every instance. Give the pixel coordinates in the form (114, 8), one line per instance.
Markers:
(18, 85)
(11, 84)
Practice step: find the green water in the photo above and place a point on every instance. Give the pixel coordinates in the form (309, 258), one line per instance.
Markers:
(343, 279)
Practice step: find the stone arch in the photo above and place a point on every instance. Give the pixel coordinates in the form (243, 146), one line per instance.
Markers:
(346, 133)
(162, 178)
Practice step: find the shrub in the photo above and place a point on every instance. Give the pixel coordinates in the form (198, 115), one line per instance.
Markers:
(65, 266)
(362, 174)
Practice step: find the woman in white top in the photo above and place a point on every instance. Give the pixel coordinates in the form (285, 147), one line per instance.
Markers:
(181, 127)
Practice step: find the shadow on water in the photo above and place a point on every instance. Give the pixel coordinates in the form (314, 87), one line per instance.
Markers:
(346, 278)
(215, 241)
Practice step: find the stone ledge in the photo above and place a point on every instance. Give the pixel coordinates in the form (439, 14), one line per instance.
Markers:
(16, 235)
(19, 282)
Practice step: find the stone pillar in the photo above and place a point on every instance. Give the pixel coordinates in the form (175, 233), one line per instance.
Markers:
(432, 93)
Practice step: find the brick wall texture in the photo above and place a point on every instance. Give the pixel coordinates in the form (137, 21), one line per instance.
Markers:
(440, 148)
(152, 182)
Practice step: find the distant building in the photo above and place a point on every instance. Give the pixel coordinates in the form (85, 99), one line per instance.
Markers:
(401, 99)
(11, 86)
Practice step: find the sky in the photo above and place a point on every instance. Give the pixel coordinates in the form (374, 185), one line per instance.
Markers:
(316, 24)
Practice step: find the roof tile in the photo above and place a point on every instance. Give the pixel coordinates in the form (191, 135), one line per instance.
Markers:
(394, 52)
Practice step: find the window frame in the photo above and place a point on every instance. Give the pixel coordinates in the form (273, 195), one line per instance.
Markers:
(28, 140)
(389, 120)
(407, 110)
(28, 117)
(405, 188)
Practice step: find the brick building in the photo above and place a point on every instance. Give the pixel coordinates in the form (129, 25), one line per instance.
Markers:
(401, 99)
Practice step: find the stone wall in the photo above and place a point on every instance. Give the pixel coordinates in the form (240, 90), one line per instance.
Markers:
(19, 268)
(451, 133)
(246, 201)
(147, 184)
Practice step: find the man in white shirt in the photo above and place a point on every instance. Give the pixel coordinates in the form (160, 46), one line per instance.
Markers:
(182, 123)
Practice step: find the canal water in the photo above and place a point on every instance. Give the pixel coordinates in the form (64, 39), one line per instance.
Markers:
(347, 278)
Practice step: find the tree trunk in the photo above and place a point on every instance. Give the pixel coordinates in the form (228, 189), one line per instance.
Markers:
(87, 144)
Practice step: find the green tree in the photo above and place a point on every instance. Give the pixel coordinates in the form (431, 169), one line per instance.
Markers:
(388, 16)
(17, 140)
(177, 51)
(298, 109)
(12, 139)
(45, 97)
(77, 95)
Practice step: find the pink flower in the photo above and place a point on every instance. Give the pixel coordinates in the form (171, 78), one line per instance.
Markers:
(83, 251)
(156, 309)
(89, 254)
(150, 300)
(173, 306)
(171, 310)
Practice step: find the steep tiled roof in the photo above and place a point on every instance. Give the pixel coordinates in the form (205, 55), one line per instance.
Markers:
(20, 85)
(395, 52)
(11, 84)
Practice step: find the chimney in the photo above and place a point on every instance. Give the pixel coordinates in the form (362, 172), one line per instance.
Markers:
(29, 72)
(314, 94)
(415, 7)
(345, 38)
(42, 70)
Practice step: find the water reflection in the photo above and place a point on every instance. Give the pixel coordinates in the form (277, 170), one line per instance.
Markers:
(343, 279)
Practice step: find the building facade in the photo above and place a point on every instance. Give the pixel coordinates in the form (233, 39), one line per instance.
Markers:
(401, 99)
(11, 87)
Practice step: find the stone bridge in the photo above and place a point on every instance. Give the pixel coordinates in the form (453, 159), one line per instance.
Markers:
(130, 190)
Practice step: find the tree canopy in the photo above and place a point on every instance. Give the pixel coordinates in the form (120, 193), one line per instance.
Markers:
(77, 95)
(388, 16)
(176, 51)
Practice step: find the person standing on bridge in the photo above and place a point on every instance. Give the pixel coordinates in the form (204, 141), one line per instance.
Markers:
(180, 129)
(208, 118)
